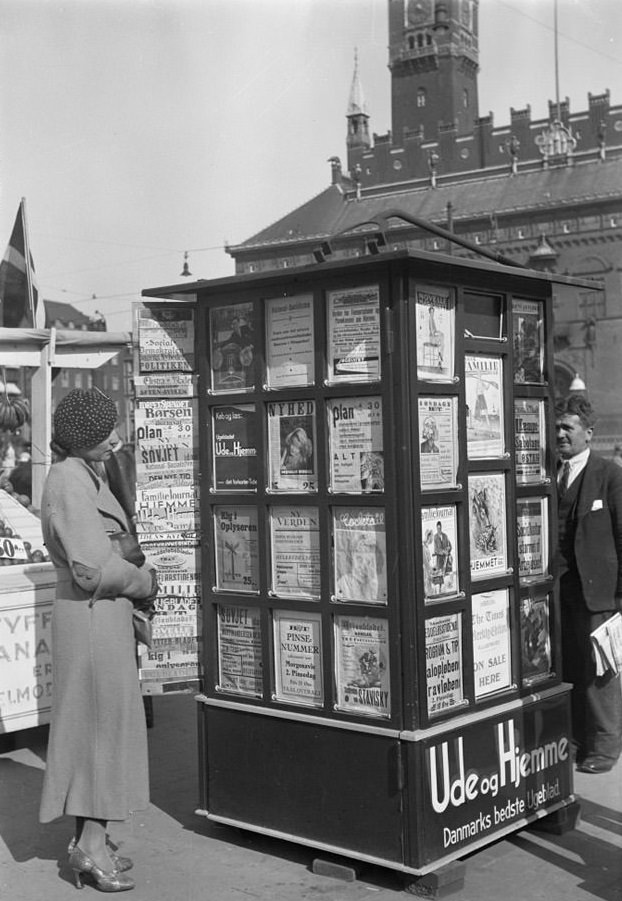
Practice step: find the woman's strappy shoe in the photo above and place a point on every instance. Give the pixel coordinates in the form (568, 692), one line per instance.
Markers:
(105, 882)
(121, 864)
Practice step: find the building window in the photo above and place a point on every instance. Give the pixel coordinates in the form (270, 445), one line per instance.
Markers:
(77, 381)
(411, 43)
(64, 378)
(465, 98)
(421, 97)
(115, 383)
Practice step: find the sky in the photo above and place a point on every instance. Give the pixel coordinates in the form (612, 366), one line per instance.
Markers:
(141, 129)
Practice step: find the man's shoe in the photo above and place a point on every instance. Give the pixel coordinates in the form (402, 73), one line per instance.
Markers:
(596, 764)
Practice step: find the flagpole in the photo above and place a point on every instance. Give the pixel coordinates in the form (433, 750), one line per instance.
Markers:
(31, 299)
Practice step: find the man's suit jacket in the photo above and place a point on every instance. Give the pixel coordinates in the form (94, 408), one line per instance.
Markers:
(598, 535)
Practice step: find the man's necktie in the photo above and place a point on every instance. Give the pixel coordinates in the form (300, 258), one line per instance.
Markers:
(562, 488)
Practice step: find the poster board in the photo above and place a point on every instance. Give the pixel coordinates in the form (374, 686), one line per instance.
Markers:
(167, 491)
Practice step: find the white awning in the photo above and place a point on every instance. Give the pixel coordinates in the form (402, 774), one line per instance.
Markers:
(11, 389)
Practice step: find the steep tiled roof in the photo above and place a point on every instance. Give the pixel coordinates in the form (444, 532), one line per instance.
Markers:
(329, 212)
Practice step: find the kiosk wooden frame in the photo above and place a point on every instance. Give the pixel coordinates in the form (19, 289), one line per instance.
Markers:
(414, 726)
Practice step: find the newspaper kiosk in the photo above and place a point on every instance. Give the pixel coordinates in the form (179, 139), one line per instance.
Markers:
(381, 653)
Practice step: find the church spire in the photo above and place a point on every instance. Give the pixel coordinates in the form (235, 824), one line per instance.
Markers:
(357, 115)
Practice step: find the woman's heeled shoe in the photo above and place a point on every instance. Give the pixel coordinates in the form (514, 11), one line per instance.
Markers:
(120, 864)
(105, 882)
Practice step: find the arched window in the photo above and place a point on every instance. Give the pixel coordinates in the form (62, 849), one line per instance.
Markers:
(465, 98)
(421, 97)
(411, 43)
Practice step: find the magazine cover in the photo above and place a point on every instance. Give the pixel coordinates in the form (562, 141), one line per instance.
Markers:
(290, 345)
(487, 525)
(360, 554)
(165, 337)
(167, 451)
(233, 337)
(295, 540)
(443, 670)
(234, 447)
(528, 339)
(356, 445)
(438, 443)
(174, 653)
(435, 311)
(535, 639)
(237, 546)
(529, 441)
(354, 335)
(362, 665)
(165, 384)
(239, 651)
(291, 446)
(492, 652)
(483, 384)
(298, 658)
(532, 537)
(440, 551)
(177, 565)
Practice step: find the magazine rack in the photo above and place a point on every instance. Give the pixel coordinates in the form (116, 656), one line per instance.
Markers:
(381, 654)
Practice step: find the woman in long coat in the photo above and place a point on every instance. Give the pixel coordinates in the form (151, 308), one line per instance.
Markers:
(97, 768)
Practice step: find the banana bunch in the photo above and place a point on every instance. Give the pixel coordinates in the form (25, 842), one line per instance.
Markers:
(14, 411)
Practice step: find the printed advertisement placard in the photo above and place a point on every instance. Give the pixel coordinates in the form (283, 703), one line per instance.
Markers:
(239, 650)
(495, 773)
(298, 657)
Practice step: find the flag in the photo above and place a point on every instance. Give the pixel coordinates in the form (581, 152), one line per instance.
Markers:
(19, 295)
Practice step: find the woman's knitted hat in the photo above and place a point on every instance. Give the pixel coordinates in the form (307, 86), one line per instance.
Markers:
(83, 419)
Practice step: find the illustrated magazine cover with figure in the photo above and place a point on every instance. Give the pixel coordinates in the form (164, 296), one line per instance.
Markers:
(487, 524)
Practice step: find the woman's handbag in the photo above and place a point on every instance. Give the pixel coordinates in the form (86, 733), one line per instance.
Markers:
(143, 628)
(126, 544)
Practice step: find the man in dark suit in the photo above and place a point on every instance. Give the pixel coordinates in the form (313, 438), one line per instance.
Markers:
(589, 559)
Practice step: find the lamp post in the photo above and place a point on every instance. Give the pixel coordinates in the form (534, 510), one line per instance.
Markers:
(577, 385)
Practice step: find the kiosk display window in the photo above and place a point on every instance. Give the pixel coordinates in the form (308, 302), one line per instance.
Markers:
(356, 449)
(435, 312)
(529, 440)
(290, 345)
(239, 651)
(439, 529)
(233, 338)
(237, 548)
(528, 338)
(487, 525)
(535, 630)
(354, 335)
(532, 535)
(292, 446)
(360, 554)
(443, 663)
(484, 389)
(492, 651)
(376, 481)
(298, 658)
(295, 543)
(438, 442)
(234, 451)
(362, 665)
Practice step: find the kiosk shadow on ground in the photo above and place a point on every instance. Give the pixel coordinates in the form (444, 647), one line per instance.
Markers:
(594, 860)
